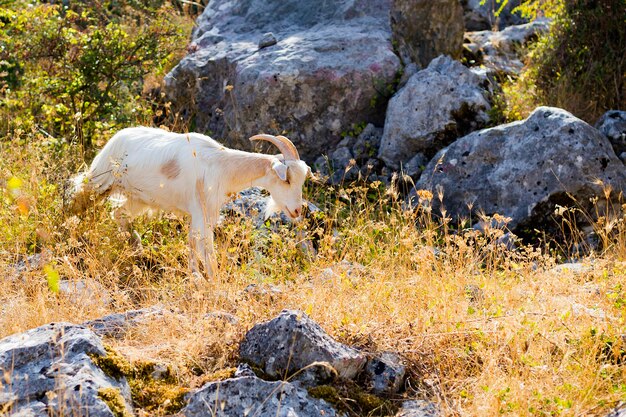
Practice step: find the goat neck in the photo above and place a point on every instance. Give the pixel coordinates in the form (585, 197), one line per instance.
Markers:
(245, 170)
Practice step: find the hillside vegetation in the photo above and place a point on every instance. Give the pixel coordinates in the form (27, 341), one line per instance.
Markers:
(485, 330)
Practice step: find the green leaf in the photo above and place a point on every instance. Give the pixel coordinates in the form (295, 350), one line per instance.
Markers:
(52, 275)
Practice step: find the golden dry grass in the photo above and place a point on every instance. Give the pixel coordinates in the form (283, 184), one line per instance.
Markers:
(484, 331)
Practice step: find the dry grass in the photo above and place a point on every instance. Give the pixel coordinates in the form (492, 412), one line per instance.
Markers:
(484, 331)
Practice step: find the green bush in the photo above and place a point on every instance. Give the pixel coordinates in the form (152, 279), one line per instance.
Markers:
(580, 65)
(77, 70)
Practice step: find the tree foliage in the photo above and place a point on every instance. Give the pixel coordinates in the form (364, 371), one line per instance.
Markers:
(75, 69)
(580, 65)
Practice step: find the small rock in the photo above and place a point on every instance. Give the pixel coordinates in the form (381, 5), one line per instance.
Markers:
(28, 263)
(117, 324)
(292, 341)
(385, 373)
(24, 265)
(84, 292)
(160, 371)
(367, 143)
(315, 374)
(613, 125)
(414, 167)
(500, 50)
(418, 408)
(576, 268)
(243, 369)
(474, 294)
(268, 39)
(339, 166)
(222, 315)
(262, 290)
(619, 411)
(342, 269)
(252, 203)
(508, 241)
(597, 313)
(251, 396)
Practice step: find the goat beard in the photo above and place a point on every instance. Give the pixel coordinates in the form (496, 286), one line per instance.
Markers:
(271, 208)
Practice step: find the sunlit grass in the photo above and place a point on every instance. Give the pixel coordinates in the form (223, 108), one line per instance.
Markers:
(485, 331)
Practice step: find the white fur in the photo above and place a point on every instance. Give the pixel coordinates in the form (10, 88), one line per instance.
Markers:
(146, 168)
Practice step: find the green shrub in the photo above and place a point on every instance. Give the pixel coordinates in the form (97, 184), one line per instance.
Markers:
(74, 71)
(580, 65)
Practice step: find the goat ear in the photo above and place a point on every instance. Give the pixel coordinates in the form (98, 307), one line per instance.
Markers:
(280, 169)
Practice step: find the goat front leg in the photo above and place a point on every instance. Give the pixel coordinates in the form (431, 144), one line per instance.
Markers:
(201, 246)
(123, 220)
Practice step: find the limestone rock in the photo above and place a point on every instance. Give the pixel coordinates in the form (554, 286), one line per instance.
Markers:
(85, 292)
(292, 341)
(436, 106)
(50, 371)
(117, 324)
(223, 316)
(252, 203)
(481, 15)
(262, 290)
(315, 374)
(354, 157)
(501, 51)
(619, 411)
(243, 369)
(523, 170)
(418, 408)
(385, 373)
(438, 29)
(330, 61)
(613, 125)
(268, 39)
(251, 396)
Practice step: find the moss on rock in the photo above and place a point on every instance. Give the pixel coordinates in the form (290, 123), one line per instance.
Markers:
(161, 396)
(114, 400)
(113, 363)
(351, 399)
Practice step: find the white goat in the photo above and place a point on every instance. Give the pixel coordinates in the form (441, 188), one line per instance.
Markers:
(145, 168)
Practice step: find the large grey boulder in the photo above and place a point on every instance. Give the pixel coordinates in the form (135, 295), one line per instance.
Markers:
(251, 396)
(481, 14)
(425, 29)
(613, 125)
(326, 67)
(436, 106)
(330, 63)
(503, 51)
(50, 372)
(293, 341)
(522, 170)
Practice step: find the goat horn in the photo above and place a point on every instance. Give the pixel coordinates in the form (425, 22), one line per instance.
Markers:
(284, 145)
